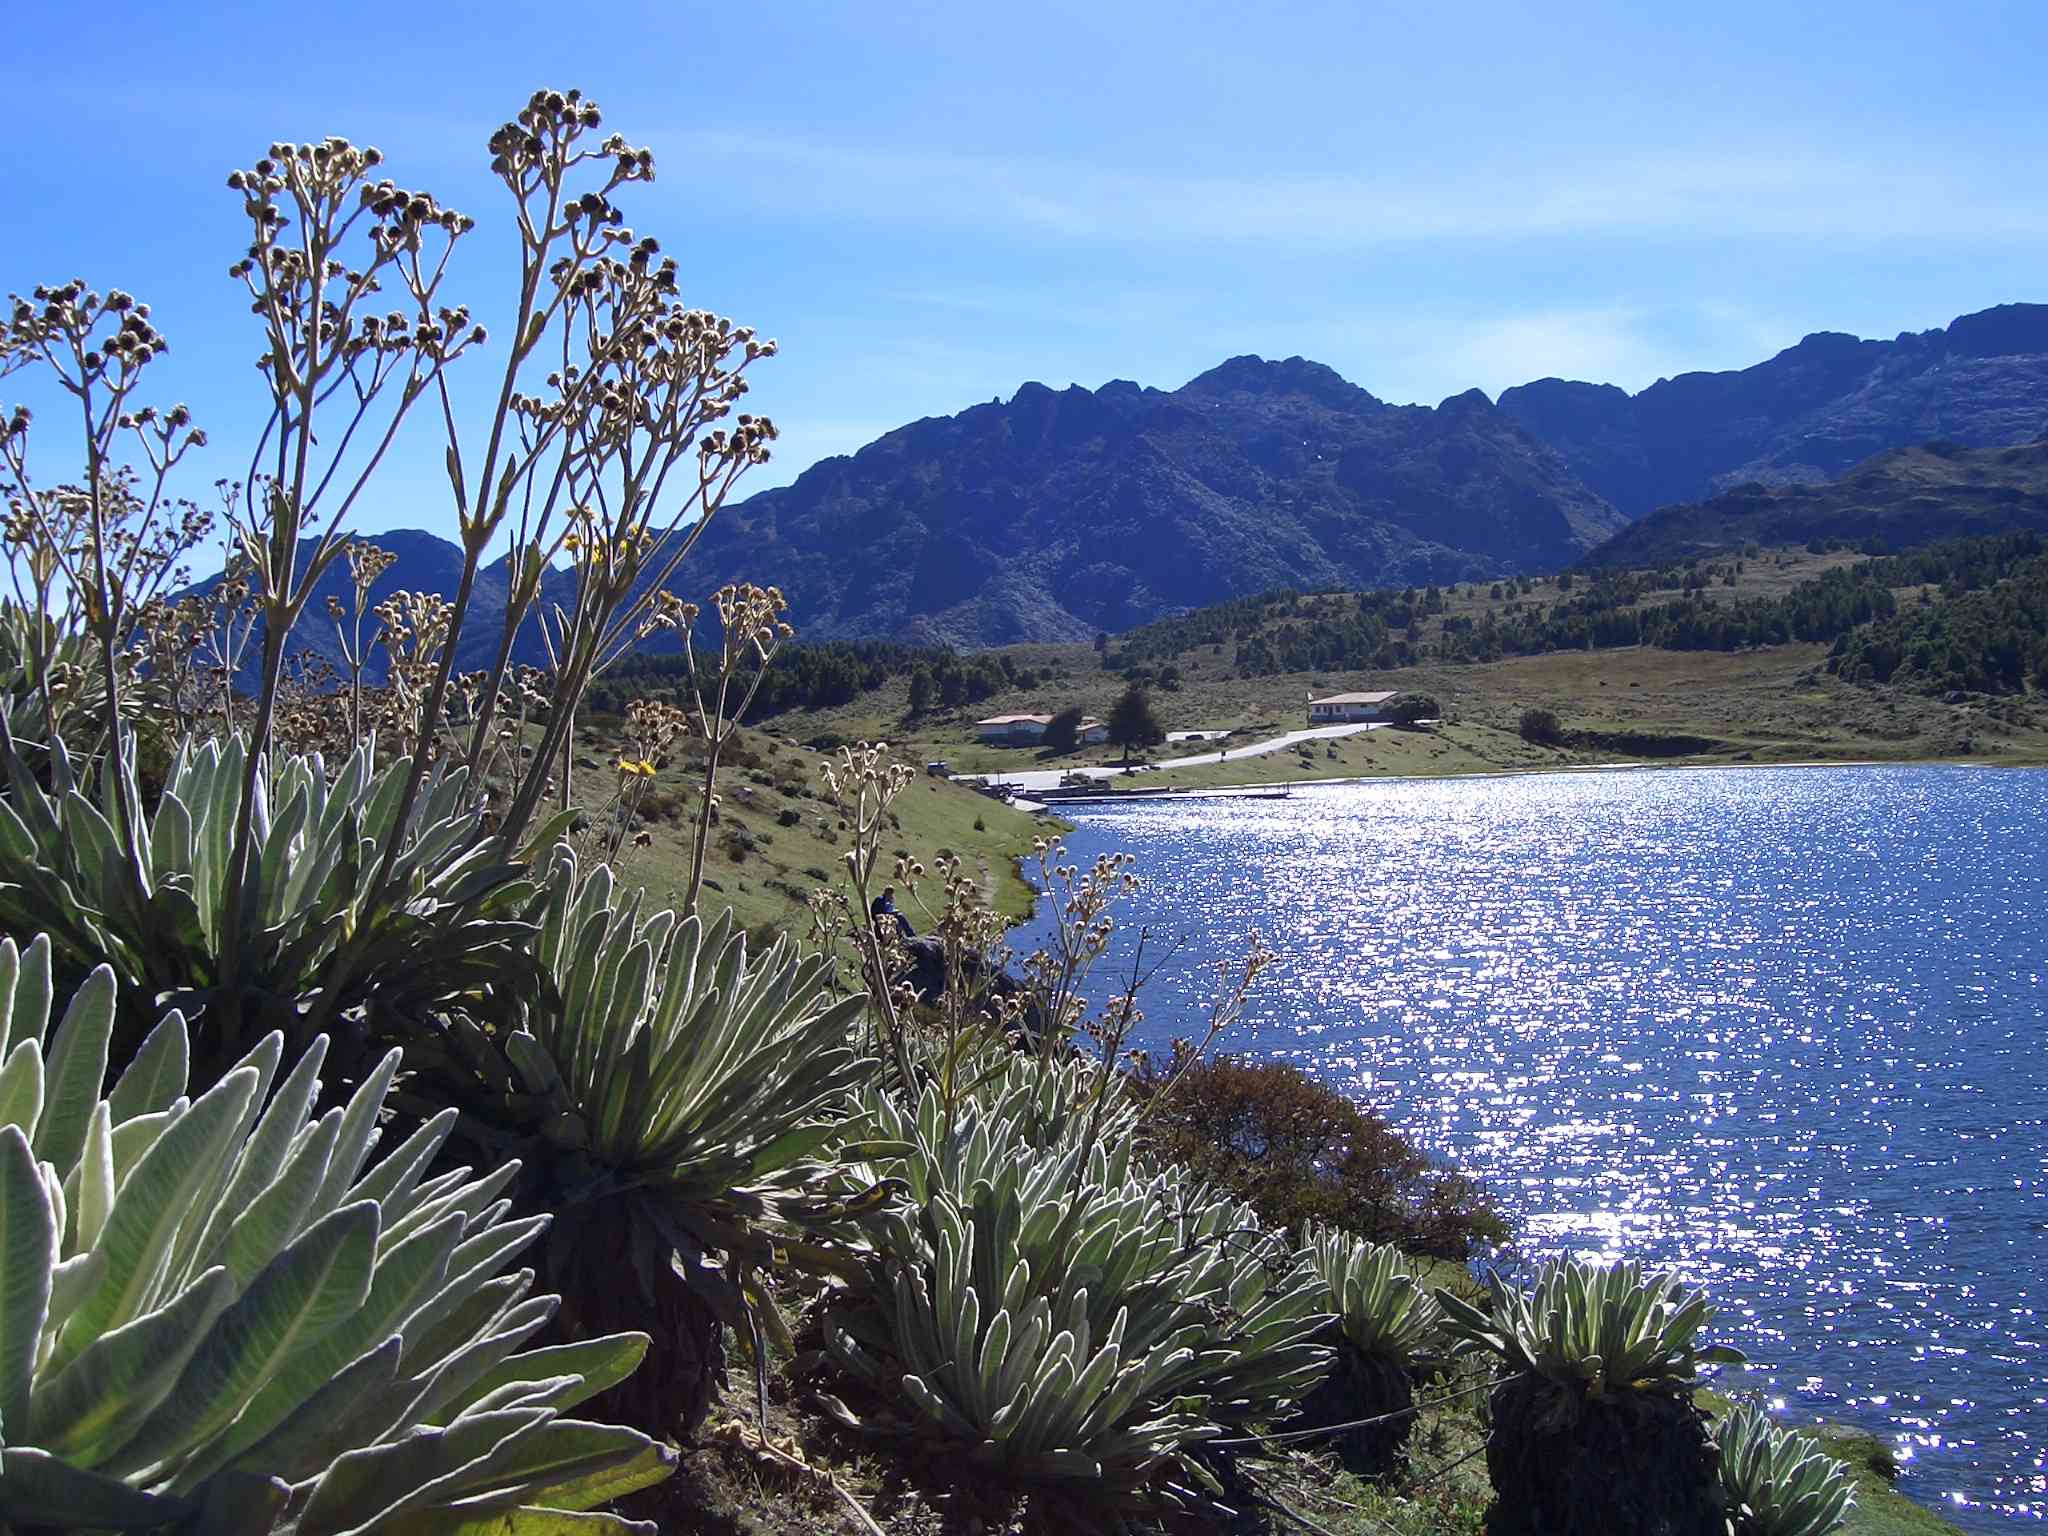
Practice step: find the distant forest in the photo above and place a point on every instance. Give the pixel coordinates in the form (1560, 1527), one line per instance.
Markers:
(1979, 623)
(1987, 636)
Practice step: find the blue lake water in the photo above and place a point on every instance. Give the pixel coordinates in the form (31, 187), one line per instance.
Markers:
(1783, 1030)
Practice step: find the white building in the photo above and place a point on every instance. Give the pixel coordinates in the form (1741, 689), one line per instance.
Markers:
(1029, 730)
(1343, 708)
(1013, 730)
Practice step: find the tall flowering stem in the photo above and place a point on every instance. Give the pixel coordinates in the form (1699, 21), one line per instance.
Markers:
(366, 563)
(97, 552)
(751, 630)
(326, 236)
(580, 462)
(1082, 905)
(863, 784)
(605, 447)
(1234, 978)
(652, 725)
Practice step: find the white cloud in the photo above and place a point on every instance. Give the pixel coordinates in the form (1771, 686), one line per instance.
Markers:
(1613, 346)
(1736, 193)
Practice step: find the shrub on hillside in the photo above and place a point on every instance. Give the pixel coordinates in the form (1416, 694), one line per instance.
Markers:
(1302, 1153)
(660, 805)
(1540, 727)
(1413, 708)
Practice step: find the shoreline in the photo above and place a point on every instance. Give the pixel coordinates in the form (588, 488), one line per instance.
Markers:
(1168, 793)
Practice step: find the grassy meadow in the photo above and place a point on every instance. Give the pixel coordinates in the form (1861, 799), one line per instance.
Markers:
(1769, 704)
(778, 836)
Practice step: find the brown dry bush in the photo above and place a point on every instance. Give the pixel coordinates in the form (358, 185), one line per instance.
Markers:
(1301, 1151)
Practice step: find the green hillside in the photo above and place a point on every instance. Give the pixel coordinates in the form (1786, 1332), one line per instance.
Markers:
(1769, 703)
(778, 835)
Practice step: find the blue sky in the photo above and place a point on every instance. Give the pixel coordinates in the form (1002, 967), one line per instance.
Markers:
(930, 203)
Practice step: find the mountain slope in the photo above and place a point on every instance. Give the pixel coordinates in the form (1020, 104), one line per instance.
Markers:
(1893, 501)
(424, 562)
(1807, 414)
(1058, 514)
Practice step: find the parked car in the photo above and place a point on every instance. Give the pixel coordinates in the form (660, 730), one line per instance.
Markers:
(938, 770)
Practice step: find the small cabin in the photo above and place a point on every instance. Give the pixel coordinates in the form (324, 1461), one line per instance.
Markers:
(1012, 730)
(1029, 730)
(1346, 708)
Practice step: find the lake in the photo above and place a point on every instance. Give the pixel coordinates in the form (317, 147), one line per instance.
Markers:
(1781, 1030)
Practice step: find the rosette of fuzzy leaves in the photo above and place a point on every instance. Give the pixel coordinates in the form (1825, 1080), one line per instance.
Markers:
(1062, 1314)
(1385, 1312)
(318, 939)
(1591, 1329)
(675, 1099)
(60, 656)
(1594, 1428)
(217, 1314)
(1389, 1335)
(1777, 1483)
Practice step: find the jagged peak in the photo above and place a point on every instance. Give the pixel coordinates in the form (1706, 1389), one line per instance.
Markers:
(1469, 402)
(1550, 386)
(1831, 342)
(1033, 395)
(1251, 374)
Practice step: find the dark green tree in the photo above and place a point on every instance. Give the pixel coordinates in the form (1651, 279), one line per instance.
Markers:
(922, 690)
(1063, 733)
(1132, 722)
(1408, 708)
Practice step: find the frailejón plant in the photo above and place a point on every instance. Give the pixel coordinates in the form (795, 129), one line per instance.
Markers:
(671, 1096)
(1594, 1428)
(217, 1315)
(1602, 1330)
(1061, 1314)
(446, 928)
(1386, 1313)
(1388, 1336)
(1777, 1483)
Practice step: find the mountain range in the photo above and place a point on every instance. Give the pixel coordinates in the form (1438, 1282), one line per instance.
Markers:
(1890, 502)
(1058, 514)
(1807, 414)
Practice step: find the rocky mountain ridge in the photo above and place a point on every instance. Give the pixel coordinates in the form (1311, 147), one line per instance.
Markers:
(1803, 416)
(1057, 514)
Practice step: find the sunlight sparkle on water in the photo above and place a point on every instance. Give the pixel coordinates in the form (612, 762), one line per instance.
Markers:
(1780, 1030)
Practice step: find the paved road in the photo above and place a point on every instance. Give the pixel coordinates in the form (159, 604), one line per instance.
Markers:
(1036, 779)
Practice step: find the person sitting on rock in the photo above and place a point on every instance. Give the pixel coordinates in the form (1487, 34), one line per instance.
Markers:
(884, 906)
